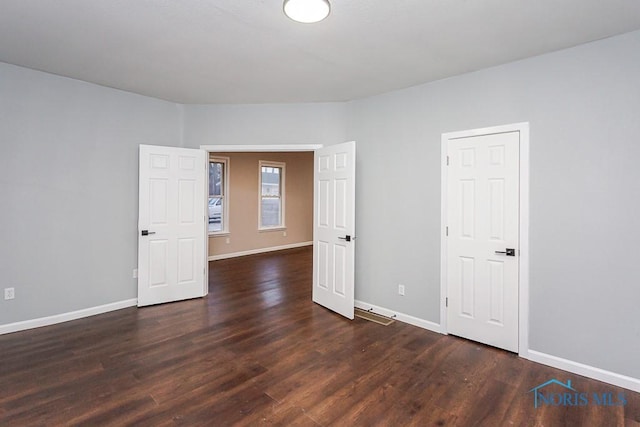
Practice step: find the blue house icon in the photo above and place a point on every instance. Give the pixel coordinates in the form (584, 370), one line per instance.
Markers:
(551, 381)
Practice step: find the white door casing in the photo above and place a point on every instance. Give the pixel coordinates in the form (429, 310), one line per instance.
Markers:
(483, 202)
(172, 193)
(334, 228)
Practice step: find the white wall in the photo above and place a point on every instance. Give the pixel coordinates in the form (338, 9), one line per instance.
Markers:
(69, 189)
(583, 106)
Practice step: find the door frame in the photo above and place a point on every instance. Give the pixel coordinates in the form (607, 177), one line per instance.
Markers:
(523, 258)
(246, 148)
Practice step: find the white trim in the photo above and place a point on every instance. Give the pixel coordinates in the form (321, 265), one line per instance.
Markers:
(205, 284)
(523, 278)
(260, 148)
(523, 330)
(259, 251)
(401, 317)
(268, 229)
(226, 161)
(65, 317)
(588, 371)
(443, 235)
(609, 377)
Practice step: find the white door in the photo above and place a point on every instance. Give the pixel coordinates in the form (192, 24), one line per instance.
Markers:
(171, 224)
(334, 227)
(482, 242)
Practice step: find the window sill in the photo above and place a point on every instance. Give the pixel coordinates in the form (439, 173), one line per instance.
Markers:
(219, 233)
(267, 229)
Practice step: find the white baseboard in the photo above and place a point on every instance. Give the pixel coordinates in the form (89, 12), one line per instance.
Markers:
(259, 251)
(609, 377)
(421, 323)
(65, 317)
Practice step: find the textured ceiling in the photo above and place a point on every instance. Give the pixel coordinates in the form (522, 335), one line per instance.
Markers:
(247, 51)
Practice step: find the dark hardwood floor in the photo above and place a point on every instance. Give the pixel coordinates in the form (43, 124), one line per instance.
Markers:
(257, 351)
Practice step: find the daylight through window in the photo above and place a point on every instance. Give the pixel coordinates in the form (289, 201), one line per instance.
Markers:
(217, 194)
(271, 195)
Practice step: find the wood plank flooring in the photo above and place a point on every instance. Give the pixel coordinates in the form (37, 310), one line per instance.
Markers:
(257, 351)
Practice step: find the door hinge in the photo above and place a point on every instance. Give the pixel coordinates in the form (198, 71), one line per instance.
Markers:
(447, 230)
(447, 160)
(446, 302)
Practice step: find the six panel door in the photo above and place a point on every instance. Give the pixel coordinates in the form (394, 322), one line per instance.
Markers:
(172, 224)
(334, 228)
(483, 214)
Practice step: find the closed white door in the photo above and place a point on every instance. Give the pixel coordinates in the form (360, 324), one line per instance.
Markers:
(483, 241)
(171, 224)
(334, 228)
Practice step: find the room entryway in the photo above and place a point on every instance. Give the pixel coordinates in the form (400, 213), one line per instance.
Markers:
(333, 220)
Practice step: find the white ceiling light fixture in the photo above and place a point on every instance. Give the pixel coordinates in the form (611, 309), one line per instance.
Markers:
(307, 11)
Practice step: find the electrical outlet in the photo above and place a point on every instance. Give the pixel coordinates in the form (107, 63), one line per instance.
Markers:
(135, 273)
(9, 293)
(401, 290)
(227, 240)
(284, 234)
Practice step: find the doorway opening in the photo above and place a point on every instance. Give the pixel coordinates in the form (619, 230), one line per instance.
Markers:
(333, 215)
(252, 236)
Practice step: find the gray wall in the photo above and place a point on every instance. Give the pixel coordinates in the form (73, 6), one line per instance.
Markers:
(68, 177)
(260, 124)
(69, 189)
(583, 105)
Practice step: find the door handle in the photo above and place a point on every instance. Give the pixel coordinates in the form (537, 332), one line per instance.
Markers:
(347, 238)
(147, 232)
(507, 252)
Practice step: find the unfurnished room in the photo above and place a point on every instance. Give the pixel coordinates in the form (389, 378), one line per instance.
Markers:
(319, 213)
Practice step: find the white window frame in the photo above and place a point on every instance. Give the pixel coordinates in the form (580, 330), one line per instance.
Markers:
(225, 195)
(282, 167)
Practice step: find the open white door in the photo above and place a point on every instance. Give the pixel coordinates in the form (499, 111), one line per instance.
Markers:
(171, 224)
(334, 227)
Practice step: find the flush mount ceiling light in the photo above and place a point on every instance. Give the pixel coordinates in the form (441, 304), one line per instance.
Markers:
(307, 11)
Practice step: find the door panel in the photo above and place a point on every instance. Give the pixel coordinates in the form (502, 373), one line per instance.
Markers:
(334, 219)
(158, 262)
(467, 287)
(172, 256)
(483, 215)
(496, 292)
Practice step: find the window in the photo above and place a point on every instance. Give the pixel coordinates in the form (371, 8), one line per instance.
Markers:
(218, 205)
(271, 195)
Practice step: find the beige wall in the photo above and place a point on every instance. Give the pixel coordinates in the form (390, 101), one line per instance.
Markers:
(243, 203)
